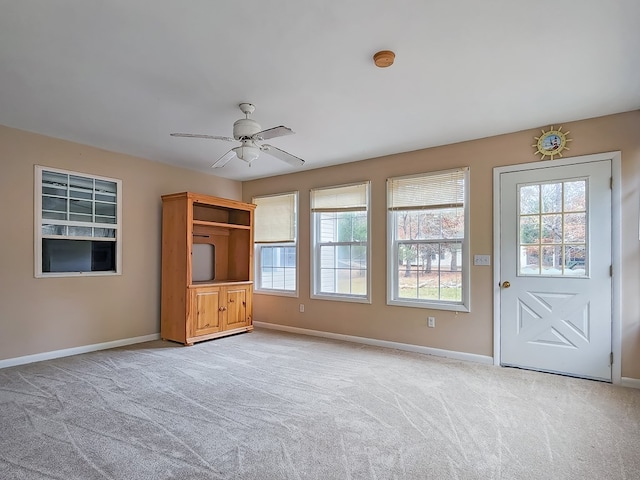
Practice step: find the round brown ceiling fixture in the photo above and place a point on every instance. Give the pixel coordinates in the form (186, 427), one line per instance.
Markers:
(384, 58)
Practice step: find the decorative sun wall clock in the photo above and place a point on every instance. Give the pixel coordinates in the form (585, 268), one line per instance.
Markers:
(552, 143)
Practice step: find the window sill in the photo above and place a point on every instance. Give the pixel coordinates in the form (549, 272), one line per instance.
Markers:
(76, 274)
(341, 298)
(453, 307)
(277, 293)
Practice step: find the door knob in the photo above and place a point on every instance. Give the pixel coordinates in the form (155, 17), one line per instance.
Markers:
(506, 284)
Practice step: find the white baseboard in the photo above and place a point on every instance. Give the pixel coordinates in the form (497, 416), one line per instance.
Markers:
(407, 347)
(67, 352)
(630, 382)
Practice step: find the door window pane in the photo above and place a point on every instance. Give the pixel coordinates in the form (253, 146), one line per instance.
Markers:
(554, 240)
(574, 196)
(551, 228)
(530, 199)
(574, 260)
(530, 230)
(530, 260)
(552, 260)
(551, 197)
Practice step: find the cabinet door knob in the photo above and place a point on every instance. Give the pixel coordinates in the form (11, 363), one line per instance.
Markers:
(221, 309)
(231, 300)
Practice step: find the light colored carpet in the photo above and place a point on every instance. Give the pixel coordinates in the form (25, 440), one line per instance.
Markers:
(271, 405)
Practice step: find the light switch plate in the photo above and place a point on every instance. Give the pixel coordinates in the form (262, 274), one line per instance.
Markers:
(482, 260)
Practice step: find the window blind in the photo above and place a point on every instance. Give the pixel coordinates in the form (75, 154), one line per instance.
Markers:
(437, 190)
(345, 198)
(275, 218)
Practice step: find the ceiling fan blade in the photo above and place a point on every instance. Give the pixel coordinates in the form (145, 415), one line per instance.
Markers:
(197, 135)
(282, 155)
(273, 132)
(223, 160)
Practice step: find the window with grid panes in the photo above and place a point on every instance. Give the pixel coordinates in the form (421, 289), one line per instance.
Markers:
(276, 247)
(78, 223)
(428, 225)
(340, 233)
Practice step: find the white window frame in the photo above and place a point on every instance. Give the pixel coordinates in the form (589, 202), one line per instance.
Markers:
(39, 221)
(257, 287)
(393, 261)
(316, 248)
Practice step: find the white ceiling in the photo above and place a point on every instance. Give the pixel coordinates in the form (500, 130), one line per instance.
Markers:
(123, 74)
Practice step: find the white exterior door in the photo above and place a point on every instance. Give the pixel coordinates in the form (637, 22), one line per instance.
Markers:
(555, 269)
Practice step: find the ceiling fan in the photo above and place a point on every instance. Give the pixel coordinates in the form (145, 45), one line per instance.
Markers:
(248, 132)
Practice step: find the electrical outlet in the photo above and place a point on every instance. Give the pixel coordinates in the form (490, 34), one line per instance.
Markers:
(431, 322)
(482, 260)
(302, 308)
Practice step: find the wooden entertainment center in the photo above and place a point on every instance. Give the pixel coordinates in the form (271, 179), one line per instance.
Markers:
(207, 267)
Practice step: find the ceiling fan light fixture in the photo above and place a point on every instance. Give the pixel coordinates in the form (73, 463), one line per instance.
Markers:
(247, 153)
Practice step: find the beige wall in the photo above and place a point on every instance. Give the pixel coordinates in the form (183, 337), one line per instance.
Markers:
(465, 332)
(41, 315)
(46, 314)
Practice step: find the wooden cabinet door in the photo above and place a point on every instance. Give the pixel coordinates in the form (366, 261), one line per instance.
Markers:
(236, 313)
(207, 310)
